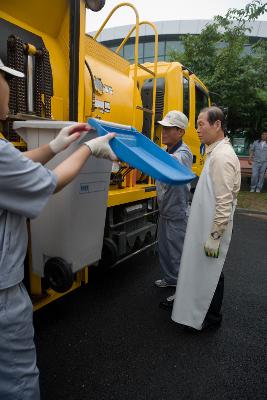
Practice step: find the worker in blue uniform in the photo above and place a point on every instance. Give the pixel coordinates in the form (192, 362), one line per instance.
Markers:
(25, 187)
(258, 157)
(173, 201)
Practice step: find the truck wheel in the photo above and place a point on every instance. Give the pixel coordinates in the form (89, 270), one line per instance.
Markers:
(109, 253)
(58, 274)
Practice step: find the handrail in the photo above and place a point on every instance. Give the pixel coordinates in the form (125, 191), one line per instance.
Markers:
(135, 48)
(153, 26)
(136, 58)
(110, 15)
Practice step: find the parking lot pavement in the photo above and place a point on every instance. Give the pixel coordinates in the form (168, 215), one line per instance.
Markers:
(110, 340)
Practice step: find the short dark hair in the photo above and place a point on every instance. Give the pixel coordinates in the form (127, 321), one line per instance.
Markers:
(215, 114)
(264, 132)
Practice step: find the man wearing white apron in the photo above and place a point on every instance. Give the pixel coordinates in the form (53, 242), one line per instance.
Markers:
(199, 291)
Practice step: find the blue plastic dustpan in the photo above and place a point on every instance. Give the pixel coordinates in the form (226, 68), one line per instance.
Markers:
(137, 150)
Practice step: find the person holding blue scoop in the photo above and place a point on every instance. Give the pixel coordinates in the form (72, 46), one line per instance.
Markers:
(26, 186)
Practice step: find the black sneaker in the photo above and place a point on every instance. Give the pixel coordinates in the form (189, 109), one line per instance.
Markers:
(168, 303)
(208, 324)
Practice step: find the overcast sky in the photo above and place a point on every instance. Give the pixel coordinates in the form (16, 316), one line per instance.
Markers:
(160, 10)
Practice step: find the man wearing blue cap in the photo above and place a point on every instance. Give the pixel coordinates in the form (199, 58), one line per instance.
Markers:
(172, 201)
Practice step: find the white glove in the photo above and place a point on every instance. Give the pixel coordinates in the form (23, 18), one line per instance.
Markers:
(212, 247)
(100, 147)
(67, 136)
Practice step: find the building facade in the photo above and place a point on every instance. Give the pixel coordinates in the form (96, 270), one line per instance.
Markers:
(170, 37)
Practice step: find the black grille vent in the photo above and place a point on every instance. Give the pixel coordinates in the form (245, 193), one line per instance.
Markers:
(147, 99)
(159, 104)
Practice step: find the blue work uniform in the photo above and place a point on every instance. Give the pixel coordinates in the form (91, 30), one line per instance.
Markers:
(25, 187)
(173, 203)
(259, 164)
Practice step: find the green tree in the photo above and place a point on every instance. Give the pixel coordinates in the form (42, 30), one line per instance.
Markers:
(239, 78)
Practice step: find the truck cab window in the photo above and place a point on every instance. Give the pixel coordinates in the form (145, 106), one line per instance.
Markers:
(202, 100)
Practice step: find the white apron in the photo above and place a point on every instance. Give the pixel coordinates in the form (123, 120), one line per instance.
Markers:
(199, 274)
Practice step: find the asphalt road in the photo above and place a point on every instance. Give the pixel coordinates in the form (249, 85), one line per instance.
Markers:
(110, 340)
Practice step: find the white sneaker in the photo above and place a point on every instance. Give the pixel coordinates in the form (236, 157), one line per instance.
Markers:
(252, 190)
(171, 298)
(162, 283)
(258, 191)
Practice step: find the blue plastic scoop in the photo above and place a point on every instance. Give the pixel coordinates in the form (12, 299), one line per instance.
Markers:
(137, 150)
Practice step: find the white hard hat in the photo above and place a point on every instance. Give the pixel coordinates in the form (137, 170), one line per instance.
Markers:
(175, 118)
(10, 71)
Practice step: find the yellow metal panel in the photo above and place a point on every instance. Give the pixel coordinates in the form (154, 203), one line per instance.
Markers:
(81, 99)
(45, 16)
(50, 296)
(61, 87)
(112, 70)
(174, 86)
(57, 108)
(88, 95)
(194, 141)
(35, 284)
(106, 56)
(58, 48)
(128, 195)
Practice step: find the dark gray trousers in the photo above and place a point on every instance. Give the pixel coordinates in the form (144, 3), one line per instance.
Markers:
(258, 173)
(171, 233)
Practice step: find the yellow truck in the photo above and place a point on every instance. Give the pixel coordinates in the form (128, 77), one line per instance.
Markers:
(70, 76)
